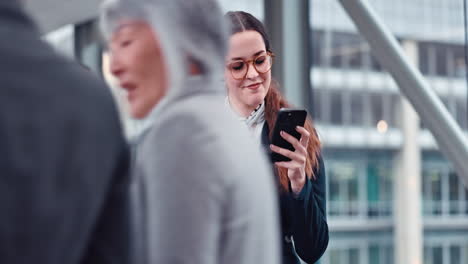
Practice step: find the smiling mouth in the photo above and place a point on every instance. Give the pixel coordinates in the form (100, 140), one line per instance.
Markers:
(253, 86)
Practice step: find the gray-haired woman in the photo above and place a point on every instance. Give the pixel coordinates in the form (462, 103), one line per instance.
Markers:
(207, 195)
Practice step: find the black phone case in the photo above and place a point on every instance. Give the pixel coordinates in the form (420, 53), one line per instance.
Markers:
(287, 120)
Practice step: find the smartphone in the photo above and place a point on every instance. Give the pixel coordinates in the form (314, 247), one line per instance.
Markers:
(288, 119)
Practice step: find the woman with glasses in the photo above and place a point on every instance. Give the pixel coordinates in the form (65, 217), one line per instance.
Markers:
(254, 97)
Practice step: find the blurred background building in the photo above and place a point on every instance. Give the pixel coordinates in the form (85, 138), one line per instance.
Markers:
(358, 111)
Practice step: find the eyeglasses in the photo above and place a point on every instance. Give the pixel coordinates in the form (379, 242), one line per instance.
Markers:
(262, 64)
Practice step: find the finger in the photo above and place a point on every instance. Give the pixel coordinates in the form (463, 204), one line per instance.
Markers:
(288, 164)
(287, 153)
(290, 139)
(302, 150)
(305, 135)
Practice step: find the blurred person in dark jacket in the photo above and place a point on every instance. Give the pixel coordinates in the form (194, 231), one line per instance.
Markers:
(63, 158)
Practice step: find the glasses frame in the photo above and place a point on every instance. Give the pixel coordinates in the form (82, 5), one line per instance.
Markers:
(248, 62)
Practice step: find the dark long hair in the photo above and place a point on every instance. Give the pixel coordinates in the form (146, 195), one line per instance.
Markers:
(242, 21)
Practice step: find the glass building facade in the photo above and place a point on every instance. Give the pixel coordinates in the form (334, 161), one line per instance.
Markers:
(356, 109)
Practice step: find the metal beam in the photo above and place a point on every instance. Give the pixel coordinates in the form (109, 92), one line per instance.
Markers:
(449, 136)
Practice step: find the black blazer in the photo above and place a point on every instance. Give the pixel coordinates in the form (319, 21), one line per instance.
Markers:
(63, 158)
(303, 217)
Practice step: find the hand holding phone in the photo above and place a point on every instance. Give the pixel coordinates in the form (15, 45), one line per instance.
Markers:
(288, 119)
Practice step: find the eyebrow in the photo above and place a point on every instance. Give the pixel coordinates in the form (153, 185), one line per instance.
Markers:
(122, 27)
(126, 28)
(126, 25)
(256, 54)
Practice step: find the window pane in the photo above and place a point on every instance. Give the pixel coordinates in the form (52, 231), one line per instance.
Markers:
(376, 101)
(357, 109)
(375, 64)
(427, 255)
(423, 58)
(336, 108)
(453, 193)
(373, 190)
(389, 255)
(459, 61)
(317, 97)
(466, 253)
(346, 50)
(353, 255)
(334, 186)
(453, 180)
(437, 255)
(338, 45)
(454, 255)
(379, 185)
(462, 113)
(466, 199)
(374, 254)
(394, 107)
(433, 199)
(317, 47)
(441, 63)
(343, 188)
(335, 192)
(334, 256)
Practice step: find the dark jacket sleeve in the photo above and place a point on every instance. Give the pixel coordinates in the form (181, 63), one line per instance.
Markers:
(310, 228)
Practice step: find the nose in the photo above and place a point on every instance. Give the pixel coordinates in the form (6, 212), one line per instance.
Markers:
(251, 71)
(116, 66)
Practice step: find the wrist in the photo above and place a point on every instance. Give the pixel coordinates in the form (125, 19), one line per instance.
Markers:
(297, 185)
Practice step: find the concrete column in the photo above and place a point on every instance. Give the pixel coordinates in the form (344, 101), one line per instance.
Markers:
(408, 214)
(288, 25)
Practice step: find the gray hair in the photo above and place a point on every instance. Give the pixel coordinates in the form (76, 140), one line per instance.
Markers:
(189, 31)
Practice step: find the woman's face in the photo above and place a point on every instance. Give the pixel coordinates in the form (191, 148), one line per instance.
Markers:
(246, 91)
(137, 62)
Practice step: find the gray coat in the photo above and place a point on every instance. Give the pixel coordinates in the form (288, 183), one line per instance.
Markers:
(63, 159)
(208, 194)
